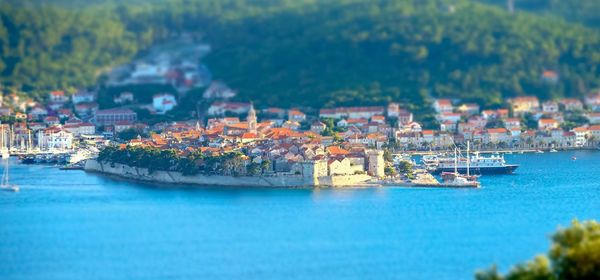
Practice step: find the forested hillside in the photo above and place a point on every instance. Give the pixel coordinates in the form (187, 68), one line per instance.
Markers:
(318, 53)
(582, 11)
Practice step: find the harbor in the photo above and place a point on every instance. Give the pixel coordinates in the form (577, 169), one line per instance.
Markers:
(69, 210)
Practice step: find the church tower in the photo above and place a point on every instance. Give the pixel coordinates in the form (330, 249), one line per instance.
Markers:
(251, 119)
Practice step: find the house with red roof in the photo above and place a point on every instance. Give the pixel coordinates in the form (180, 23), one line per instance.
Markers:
(86, 109)
(57, 96)
(550, 76)
(51, 120)
(443, 106)
(571, 104)
(581, 135)
(547, 124)
(496, 135)
(296, 115)
(594, 131)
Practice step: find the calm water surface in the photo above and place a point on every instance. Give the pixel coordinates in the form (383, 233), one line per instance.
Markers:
(73, 225)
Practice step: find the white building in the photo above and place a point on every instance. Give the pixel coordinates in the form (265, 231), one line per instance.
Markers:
(78, 129)
(443, 106)
(581, 135)
(218, 90)
(352, 112)
(221, 108)
(55, 138)
(163, 102)
(83, 97)
(550, 107)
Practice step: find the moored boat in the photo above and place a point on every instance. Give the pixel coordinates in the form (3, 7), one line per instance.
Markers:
(5, 185)
(457, 180)
(478, 164)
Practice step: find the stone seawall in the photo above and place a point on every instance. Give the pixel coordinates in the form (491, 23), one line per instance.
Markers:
(280, 181)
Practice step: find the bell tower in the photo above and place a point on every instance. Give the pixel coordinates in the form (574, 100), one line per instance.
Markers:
(251, 119)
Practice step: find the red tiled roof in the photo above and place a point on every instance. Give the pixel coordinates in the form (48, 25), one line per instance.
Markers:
(497, 130)
(335, 150)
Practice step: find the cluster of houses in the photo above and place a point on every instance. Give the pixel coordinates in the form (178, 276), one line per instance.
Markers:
(64, 119)
(507, 128)
(286, 150)
(174, 64)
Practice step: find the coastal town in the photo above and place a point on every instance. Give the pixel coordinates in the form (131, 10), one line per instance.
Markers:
(163, 118)
(353, 145)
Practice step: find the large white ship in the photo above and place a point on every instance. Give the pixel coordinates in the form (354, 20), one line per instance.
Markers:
(479, 164)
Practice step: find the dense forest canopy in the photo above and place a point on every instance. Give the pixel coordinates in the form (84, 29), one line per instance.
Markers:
(316, 53)
(582, 11)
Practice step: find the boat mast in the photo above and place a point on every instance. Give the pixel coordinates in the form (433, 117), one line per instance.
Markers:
(468, 159)
(29, 144)
(455, 162)
(12, 137)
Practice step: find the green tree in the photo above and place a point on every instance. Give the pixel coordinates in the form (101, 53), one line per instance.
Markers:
(574, 254)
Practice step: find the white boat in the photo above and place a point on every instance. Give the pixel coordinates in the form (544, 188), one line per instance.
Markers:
(553, 151)
(478, 164)
(4, 150)
(457, 180)
(539, 152)
(398, 158)
(5, 154)
(5, 185)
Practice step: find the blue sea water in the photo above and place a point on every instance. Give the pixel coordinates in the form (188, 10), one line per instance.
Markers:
(73, 225)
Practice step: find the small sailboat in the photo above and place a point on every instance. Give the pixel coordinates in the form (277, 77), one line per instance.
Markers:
(457, 180)
(4, 150)
(5, 185)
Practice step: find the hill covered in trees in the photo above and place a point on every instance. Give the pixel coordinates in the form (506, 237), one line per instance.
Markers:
(316, 53)
(581, 11)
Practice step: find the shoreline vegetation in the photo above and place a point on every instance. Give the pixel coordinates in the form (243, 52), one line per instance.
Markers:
(192, 163)
(574, 254)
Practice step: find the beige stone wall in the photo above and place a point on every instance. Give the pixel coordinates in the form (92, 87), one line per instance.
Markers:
(142, 174)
